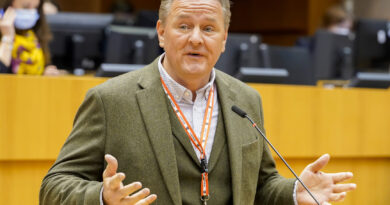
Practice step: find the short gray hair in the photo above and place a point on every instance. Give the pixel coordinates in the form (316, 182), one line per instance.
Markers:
(165, 6)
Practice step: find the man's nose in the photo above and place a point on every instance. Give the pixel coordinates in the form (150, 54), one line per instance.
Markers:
(196, 37)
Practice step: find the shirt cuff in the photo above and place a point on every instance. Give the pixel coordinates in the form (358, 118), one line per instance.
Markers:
(294, 193)
(101, 197)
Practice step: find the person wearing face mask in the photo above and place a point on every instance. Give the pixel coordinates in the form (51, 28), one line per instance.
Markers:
(24, 39)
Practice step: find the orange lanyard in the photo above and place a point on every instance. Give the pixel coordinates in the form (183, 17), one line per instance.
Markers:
(200, 144)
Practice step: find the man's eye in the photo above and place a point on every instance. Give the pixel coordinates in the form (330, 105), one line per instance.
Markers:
(208, 29)
(183, 27)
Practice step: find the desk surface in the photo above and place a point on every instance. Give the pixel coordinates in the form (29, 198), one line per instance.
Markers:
(39, 111)
(36, 115)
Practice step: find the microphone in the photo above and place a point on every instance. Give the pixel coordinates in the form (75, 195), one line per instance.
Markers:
(243, 114)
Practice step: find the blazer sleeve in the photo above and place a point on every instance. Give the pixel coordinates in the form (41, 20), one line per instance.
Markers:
(272, 189)
(75, 177)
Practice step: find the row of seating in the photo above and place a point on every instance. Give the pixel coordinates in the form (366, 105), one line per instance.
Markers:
(91, 41)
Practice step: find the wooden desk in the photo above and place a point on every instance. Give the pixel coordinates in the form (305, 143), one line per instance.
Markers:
(36, 115)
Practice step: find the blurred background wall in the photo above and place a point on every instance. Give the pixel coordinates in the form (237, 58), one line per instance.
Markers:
(280, 22)
(372, 9)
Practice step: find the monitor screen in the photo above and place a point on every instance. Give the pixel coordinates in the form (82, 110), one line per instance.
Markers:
(333, 56)
(372, 45)
(247, 59)
(131, 45)
(263, 75)
(371, 80)
(128, 49)
(78, 39)
(296, 60)
(241, 50)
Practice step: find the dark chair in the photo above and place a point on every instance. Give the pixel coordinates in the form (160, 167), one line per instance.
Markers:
(146, 18)
(296, 60)
(241, 50)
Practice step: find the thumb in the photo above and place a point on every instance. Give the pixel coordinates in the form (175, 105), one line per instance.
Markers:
(319, 163)
(112, 166)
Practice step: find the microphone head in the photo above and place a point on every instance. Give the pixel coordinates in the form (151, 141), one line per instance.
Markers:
(238, 111)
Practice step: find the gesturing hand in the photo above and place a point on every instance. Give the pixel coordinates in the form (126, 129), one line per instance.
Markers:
(324, 186)
(7, 23)
(114, 192)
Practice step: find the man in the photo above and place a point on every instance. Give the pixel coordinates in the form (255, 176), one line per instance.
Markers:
(170, 126)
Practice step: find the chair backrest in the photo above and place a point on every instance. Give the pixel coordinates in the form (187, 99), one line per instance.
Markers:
(296, 60)
(333, 56)
(241, 50)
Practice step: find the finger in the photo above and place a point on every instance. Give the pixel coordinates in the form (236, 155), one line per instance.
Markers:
(9, 13)
(319, 163)
(326, 203)
(114, 182)
(51, 67)
(338, 197)
(137, 196)
(112, 166)
(338, 188)
(342, 176)
(148, 200)
(130, 188)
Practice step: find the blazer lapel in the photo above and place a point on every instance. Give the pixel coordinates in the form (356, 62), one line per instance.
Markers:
(153, 107)
(234, 131)
(182, 137)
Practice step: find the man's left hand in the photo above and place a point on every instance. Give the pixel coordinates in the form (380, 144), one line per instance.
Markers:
(325, 187)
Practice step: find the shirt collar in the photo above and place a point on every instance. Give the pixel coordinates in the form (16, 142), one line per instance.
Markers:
(181, 93)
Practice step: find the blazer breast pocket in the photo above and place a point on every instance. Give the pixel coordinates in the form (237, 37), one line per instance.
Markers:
(251, 159)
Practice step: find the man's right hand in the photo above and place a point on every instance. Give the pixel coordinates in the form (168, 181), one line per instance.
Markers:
(114, 192)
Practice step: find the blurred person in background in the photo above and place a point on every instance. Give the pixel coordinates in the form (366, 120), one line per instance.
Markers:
(336, 20)
(24, 39)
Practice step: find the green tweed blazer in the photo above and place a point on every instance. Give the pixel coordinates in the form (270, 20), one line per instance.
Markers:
(128, 117)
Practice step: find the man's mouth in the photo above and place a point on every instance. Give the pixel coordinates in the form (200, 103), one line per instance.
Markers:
(194, 54)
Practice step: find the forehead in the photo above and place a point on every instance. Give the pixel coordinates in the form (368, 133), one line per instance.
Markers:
(180, 8)
(29, 4)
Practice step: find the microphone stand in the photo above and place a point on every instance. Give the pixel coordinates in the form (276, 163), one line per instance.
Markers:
(243, 114)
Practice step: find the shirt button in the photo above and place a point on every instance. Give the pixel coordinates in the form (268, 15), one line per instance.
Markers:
(187, 94)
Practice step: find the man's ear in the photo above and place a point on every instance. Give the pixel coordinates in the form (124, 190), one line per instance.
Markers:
(160, 32)
(224, 41)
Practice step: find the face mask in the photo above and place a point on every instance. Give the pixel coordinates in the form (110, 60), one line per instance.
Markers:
(26, 18)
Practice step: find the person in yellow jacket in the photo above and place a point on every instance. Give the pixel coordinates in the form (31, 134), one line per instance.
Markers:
(27, 55)
(24, 38)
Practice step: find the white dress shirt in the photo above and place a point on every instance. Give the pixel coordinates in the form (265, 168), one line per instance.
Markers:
(194, 110)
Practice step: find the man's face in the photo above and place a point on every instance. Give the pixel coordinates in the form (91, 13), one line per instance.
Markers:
(193, 37)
